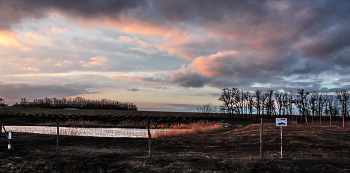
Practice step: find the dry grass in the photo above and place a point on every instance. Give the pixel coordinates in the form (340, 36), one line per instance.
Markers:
(77, 123)
(305, 149)
(197, 127)
(132, 124)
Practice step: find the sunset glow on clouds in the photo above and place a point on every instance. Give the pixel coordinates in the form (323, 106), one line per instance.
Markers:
(171, 55)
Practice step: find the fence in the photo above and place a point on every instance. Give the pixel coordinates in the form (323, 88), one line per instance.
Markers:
(8, 135)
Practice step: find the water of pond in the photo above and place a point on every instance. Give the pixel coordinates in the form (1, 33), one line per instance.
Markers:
(94, 132)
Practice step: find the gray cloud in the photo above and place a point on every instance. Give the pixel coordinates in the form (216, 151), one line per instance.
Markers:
(133, 89)
(13, 92)
(188, 79)
(12, 12)
(274, 39)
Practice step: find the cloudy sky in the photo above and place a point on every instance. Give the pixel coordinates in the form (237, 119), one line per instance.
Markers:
(171, 55)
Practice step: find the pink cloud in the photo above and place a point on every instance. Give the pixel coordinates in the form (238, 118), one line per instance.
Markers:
(34, 38)
(56, 30)
(95, 61)
(133, 25)
(213, 65)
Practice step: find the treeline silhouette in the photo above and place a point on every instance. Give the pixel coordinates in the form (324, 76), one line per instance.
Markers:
(275, 103)
(2, 102)
(77, 102)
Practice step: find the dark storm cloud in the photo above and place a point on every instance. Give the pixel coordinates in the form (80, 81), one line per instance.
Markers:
(188, 79)
(295, 37)
(274, 38)
(13, 11)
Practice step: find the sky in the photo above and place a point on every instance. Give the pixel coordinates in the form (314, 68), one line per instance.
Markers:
(172, 55)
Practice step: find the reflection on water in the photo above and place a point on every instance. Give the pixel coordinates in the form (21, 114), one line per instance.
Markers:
(95, 132)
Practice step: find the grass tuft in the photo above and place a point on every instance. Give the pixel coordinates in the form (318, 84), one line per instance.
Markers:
(193, 128)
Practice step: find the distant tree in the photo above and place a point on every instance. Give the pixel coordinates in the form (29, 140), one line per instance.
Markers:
(2, 102)
(343, 97)
(82, 103)
(225, 98)
(288, 102)
(302, 104)
(331, 108)
(258, 102)
(250, 104)
(313, 104)
(321, 101)
(279, 102)
(206, 109)
(269, 103)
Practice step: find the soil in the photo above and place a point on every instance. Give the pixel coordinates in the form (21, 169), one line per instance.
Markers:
(234, 148)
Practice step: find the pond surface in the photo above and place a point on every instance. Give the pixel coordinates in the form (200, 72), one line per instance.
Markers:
(94, 132)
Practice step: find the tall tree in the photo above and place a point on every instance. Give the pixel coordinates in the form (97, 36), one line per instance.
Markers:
(258, 102)
(302, 104)
(279, 102)
(226, 101)
(269, 103)
(343, 97)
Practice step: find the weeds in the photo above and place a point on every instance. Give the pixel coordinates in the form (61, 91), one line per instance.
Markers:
(197, 127)
(78, 123)
(132, 124)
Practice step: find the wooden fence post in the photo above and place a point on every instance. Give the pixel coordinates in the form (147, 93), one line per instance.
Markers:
(8, 135)
(58, 135)
(0, 128)
(281, 142)
(149, 139)
(261, 136)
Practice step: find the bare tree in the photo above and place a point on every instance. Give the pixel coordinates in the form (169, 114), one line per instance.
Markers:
(206, 109)
(343, 97)
(321, 100)
(250, 104)
(269, 103)
(258, 102)
(331, 108)
(313, 104)
(2, 102)
(279, 102)
(302, 104)
(226, 101)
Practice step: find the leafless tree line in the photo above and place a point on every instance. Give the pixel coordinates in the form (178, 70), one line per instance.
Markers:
(77, 102)
(2, 102)
(308, 105)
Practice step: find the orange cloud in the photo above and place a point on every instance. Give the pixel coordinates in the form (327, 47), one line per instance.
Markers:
(59, 63)
(56, 30)
(213, 65)
(30, 69)
(8, 38)
(189, 46)
(145, 28)
(95, 61)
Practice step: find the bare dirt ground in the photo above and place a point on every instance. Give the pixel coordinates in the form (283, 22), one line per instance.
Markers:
(231, 149)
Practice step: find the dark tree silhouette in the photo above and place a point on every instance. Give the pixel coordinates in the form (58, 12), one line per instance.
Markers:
(343, 97)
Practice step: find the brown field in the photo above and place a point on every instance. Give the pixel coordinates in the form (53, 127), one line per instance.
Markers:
(234, 148)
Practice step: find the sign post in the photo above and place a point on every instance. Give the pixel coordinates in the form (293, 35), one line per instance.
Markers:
(281, 122)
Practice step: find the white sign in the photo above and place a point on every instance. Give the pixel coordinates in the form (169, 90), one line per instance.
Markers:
(281, 122)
